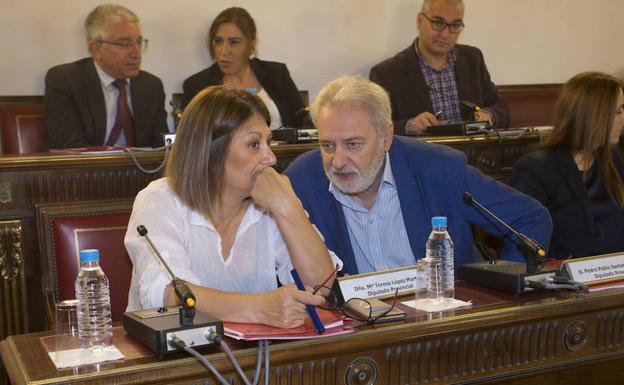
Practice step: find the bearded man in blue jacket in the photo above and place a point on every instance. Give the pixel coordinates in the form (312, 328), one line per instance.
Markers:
(372, 194)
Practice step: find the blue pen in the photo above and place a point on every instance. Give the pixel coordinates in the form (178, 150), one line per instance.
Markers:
(318, 325)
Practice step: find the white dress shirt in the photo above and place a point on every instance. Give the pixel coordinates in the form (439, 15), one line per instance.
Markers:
(276, 118)
(192, 247)
(378, 236)
(111, 93)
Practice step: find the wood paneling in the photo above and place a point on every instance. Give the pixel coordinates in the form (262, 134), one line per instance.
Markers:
(501, 339)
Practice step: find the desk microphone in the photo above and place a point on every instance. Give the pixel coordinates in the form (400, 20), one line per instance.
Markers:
(470, 105)
(168, 330)
(185, 295)
(510, 276)
(304, 114)
(527, 241)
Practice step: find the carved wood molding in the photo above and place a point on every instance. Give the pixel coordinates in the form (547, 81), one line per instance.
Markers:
(11, 258)
(89, 185)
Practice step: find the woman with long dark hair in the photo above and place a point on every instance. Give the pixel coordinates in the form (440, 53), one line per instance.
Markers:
(577, 173)
(225, 221)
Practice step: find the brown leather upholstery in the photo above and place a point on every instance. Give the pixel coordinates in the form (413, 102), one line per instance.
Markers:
(65, 229)
(531, 105)
(22, 128)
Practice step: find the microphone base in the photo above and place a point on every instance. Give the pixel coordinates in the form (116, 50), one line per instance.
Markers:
(155, 327)
(295, 135)
(508, 276)
(458, 129)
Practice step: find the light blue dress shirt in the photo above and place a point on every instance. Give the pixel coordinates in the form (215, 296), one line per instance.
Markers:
(378, 236)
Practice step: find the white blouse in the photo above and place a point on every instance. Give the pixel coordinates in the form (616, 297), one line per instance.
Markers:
(192, 247)
(276, 118)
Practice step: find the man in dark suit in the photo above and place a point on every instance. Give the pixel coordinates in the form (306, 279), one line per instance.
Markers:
(427, 80)
(105, 99)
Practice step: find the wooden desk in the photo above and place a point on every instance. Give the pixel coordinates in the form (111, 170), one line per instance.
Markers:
(46, 178)
(558, 337)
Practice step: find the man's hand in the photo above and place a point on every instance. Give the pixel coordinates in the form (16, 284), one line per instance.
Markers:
(482, 116)
(419, 123)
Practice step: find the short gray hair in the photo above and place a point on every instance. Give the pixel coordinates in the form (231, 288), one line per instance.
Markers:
(104, 14)
(355, 91)
(427, 3)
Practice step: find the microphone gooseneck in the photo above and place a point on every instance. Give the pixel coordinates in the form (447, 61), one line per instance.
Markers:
(183, 292)
(530, 243)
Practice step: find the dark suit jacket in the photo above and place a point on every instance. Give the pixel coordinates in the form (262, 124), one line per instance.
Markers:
(273, 77)
(430, 180)
(552, 177)
(402, 78)
(75, 111)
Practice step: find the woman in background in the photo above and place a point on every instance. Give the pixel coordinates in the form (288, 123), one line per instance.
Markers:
(232, 41)
(225, 221)
(577, 173)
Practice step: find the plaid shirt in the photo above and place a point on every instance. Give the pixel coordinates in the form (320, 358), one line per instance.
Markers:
(443, 81)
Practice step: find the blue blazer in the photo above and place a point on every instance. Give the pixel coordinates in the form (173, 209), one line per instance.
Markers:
(430, 180)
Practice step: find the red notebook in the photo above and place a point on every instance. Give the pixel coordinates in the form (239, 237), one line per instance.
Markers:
(334, 325)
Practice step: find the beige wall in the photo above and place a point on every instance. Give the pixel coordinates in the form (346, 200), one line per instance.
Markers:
(524, 41)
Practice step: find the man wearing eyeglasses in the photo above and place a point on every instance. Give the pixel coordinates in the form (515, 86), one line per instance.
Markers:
(427, 80)
(105, 99)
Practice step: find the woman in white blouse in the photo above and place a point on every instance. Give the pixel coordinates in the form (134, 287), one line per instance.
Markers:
(225, 221)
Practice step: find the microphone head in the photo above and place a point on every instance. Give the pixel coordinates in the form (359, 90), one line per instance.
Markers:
(142, 230)
(467, 197)
(472, 106)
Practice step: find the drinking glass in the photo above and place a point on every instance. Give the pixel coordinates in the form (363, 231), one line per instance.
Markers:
(66, 325)
(422, 278)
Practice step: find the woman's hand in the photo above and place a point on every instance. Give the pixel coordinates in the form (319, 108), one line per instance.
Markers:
(273, 191)
(285, 306)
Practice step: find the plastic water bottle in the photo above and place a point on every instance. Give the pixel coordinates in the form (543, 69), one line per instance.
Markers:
(440, 257)
(94, 310)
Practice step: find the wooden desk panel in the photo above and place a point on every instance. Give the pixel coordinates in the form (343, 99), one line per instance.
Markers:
(501, 339)
(29, 180)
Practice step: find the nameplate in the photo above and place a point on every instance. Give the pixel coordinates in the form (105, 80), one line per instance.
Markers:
(380, 284)
(598, 269)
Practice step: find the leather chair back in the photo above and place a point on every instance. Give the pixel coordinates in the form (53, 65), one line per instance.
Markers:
(22, 129)
(531, 105)
(65, 229)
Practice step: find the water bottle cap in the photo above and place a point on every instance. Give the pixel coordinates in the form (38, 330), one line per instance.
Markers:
(253, 90)
(89, 255)
(438, 221)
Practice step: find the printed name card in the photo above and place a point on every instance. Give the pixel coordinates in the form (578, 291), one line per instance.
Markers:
(381, 284)
(599, 269)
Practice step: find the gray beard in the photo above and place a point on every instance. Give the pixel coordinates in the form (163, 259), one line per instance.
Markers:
(363, 180)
